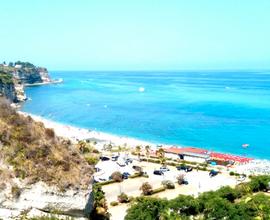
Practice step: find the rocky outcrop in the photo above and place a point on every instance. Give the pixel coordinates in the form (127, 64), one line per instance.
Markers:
(8, 90)
(39, 199)
(19, 75)
(32, 75)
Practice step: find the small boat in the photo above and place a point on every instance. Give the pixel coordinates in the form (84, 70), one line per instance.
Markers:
(245, 145)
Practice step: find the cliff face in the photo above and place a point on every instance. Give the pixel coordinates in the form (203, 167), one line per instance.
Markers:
(8, 90)
(32, 75)
(14, 77)
(39, 171)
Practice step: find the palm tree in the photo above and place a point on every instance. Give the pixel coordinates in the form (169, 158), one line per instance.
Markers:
(147, 151)
(161, 155)
(138, 151)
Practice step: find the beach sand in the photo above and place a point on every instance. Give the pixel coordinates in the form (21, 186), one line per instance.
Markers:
(74, 133)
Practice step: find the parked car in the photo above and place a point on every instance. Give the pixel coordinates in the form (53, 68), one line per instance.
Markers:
(185, 182)
(129, 160)
(213, 173)
(115, 158)
(185, 168)
(158, 172)
(102, 158)
(125, 175)
(164, 169)
(137, 168)
(121, 163)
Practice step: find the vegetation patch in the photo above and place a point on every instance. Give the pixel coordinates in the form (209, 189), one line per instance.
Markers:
(245, 201)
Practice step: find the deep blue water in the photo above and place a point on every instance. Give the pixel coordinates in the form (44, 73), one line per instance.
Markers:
(215, 110)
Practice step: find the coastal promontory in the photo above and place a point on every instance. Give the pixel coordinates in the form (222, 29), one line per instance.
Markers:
(15, 76)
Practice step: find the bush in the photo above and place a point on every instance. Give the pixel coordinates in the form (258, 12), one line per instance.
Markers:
(146, 188)
(158, 190)
(114, 203)
(232, 173)
(105, 183)
(117, 176)
(91, 160)
(259, 183)
(135, 175)
(123, 198)
(168, 184)
(15, 191)
(50, 133)
(180, 178)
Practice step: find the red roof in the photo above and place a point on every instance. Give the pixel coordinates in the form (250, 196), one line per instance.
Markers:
(176, 150)
(227, 157)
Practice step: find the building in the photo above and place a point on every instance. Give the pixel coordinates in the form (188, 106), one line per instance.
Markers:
(191, 154)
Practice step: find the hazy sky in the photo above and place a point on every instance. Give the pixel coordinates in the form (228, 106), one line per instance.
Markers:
(139, 34)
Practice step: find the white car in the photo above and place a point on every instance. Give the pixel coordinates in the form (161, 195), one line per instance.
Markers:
(164, 169)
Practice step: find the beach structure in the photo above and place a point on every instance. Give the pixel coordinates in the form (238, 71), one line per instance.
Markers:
(188, 154)
(225, 159)
(201, 156)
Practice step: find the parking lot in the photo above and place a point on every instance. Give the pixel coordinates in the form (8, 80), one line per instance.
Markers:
(199, 181)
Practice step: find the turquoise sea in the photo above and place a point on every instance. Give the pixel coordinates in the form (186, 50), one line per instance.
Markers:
(217, 110)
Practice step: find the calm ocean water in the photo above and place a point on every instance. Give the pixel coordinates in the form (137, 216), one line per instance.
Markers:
(214, 110)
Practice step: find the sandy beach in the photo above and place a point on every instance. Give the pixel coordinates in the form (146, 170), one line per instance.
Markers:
(74, 133)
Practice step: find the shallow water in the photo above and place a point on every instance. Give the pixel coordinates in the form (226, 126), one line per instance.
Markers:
(214, 110)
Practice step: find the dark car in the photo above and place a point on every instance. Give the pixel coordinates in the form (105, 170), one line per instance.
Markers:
(185, 168)
(104, 158)
(213, 173)
(158, 172)
(115, 158)
(125, 175)
(137, 168)
(129, 160)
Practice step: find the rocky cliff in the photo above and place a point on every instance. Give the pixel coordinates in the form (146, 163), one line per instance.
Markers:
(40, 172)
(13, 78)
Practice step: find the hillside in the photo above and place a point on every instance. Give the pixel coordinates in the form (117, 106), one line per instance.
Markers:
(31, 154)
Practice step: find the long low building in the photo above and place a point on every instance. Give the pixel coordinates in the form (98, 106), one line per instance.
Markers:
(188, 153)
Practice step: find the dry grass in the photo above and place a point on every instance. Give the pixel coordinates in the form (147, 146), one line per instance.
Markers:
(37, 154)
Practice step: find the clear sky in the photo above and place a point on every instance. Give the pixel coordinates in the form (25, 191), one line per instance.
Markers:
(138, 34)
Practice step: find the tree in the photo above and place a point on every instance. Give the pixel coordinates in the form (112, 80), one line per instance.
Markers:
(226, 192)
(147, 151)
(146, 209)
(218, 208)
(161, 155)
(123, 198)
(100, 208)
(146, 188)
(138, 151)
(117, 176)
(184, 205)
(180, 179)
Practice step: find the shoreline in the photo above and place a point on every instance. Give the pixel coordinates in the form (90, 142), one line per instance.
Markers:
(255, 166)
(76, 133)
(45, 83)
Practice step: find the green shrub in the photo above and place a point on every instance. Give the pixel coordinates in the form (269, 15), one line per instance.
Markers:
(114, 203)
(168, 184)
(232, 173)
(105, 183)
(123, 198)
(158, 190)
(91, 160)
